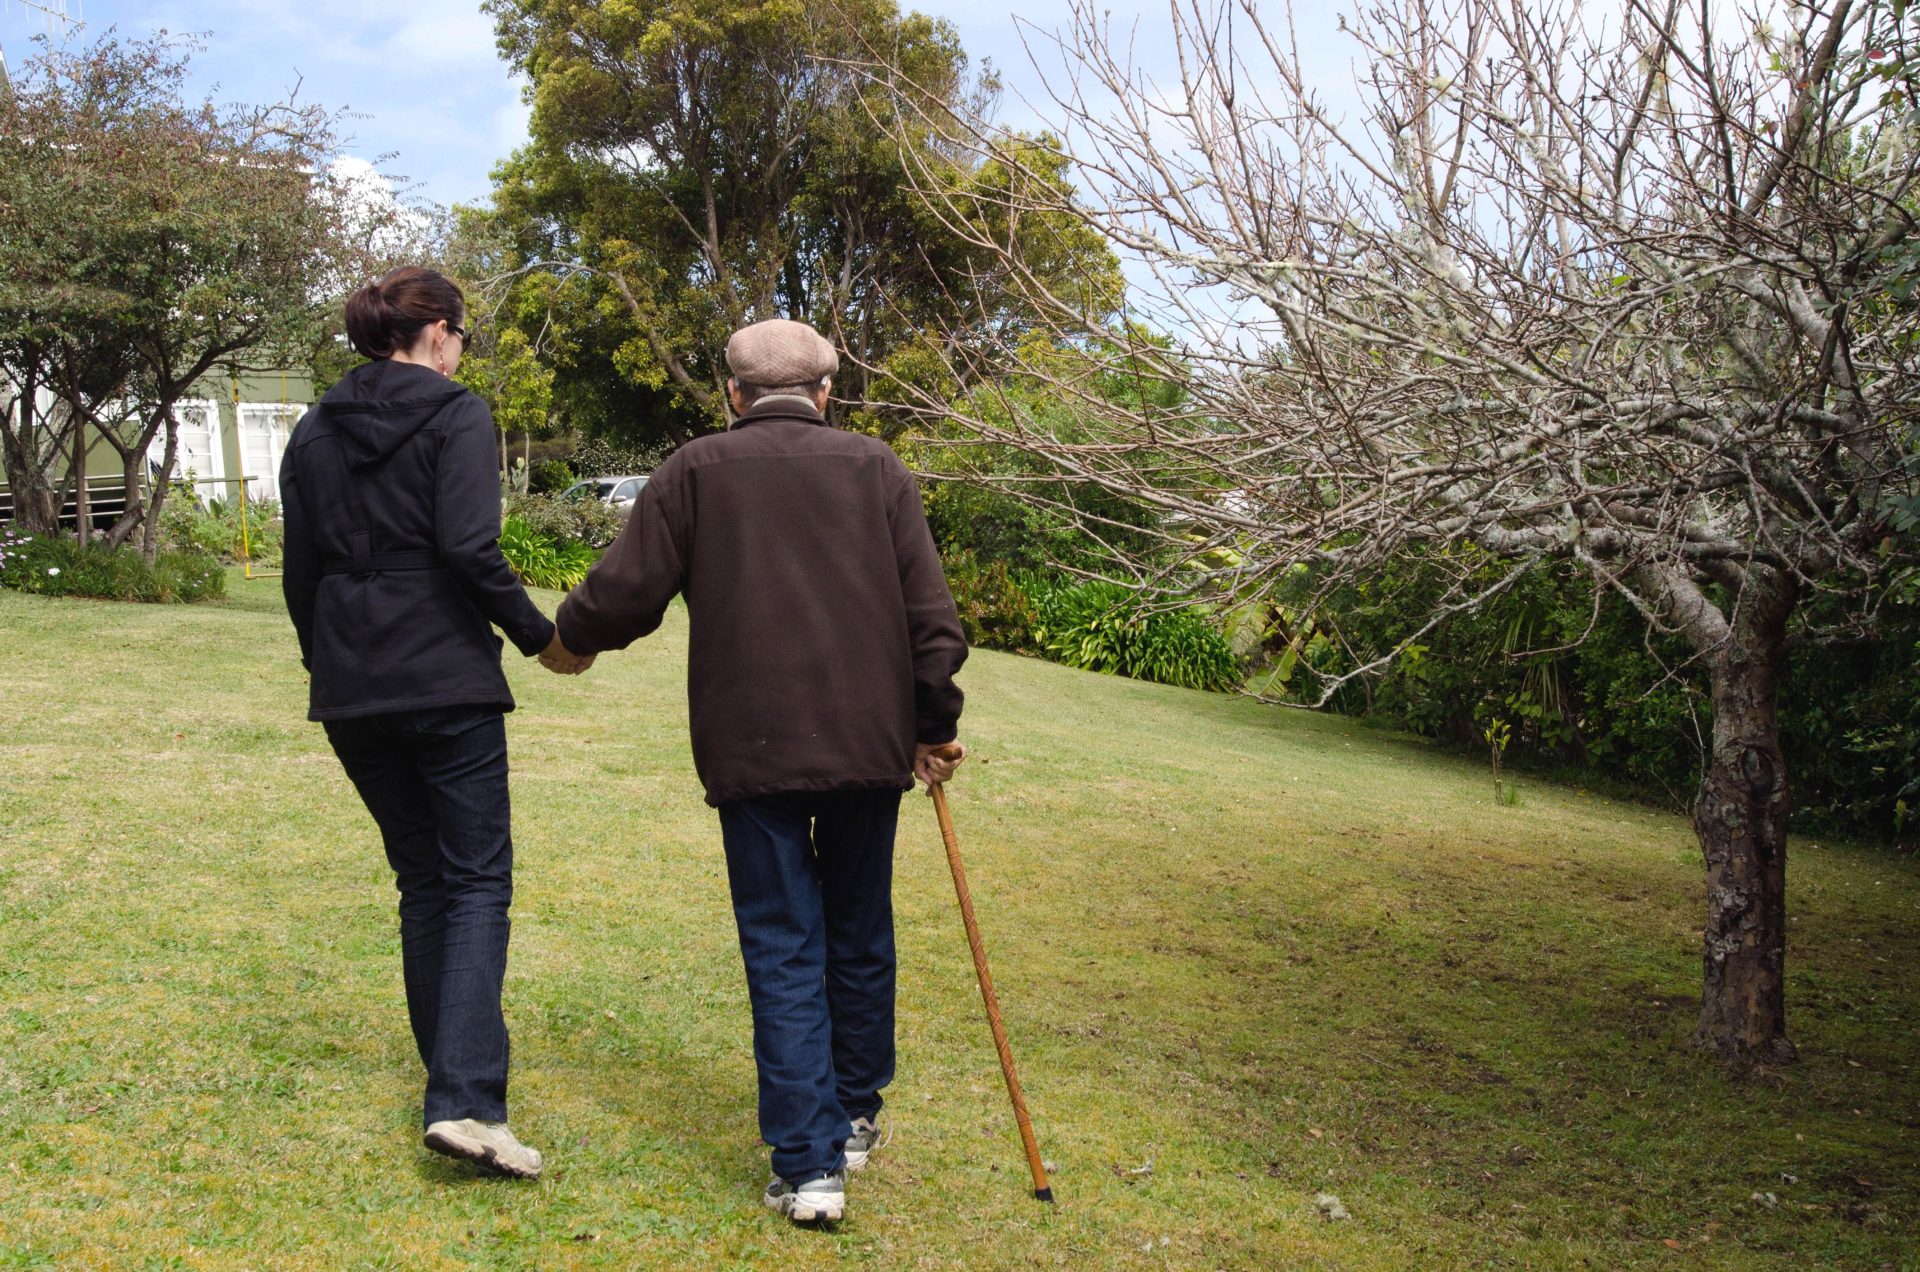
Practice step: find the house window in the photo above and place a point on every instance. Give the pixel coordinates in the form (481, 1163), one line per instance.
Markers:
(263, 440)
(200, 460)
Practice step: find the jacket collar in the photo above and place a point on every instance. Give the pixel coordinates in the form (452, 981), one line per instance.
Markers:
(781, 407)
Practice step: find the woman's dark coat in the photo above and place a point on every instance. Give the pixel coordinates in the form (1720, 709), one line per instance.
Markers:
(394, 579)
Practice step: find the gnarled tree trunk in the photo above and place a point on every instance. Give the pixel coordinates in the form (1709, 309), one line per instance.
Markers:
(29, 444)
(1741, 818)
(143, 505)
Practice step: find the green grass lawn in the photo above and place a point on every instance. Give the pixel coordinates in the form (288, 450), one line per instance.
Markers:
(1245, 956)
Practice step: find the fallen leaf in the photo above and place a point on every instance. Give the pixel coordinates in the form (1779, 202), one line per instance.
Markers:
(1671, 1244)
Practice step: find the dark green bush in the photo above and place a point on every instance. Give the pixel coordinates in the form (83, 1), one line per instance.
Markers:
(550, 476)
(64, 567)
(599, 457)
(994, 609)
(1850, 723)
(1589, 690)
(1108, 628)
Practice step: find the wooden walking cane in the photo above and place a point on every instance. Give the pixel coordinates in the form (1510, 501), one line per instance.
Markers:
(1042, 1189)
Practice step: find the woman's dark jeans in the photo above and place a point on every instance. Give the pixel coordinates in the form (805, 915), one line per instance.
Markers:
(436, 782)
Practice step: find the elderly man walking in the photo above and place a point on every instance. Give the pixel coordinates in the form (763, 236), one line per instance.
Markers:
(820, 679)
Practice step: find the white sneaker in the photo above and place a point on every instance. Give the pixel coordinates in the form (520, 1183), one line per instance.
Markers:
(867, 1139)
(488, 1144)
(823, 1198)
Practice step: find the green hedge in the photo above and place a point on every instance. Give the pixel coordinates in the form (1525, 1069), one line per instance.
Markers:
(64, 567)
(1589, 691)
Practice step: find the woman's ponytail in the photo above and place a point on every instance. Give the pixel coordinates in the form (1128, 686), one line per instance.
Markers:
(388, 313)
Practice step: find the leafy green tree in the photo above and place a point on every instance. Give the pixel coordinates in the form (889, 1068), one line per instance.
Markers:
(147, 239)
(697, 166)
(516, 384)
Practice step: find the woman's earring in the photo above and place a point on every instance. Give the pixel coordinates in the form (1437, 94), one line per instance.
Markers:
(440, 353)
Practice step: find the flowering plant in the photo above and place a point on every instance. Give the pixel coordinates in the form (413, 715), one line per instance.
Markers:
(63, 567)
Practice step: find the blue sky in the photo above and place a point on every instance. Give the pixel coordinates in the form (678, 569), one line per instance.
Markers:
(432, 100)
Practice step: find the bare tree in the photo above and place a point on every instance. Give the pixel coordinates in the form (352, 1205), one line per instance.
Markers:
(1623, 290)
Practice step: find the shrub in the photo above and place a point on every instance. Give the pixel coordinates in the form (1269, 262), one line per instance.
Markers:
(995, 610)
(214, 529)
(64, 567)
(1588, 688)
(542, 561)
(550, 476)
(1025, 537)
(1581, 683)
(586, 521)
(1108, 628)
(598, 457)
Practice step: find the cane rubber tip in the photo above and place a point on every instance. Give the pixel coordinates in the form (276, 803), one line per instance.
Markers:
(1043, 1194)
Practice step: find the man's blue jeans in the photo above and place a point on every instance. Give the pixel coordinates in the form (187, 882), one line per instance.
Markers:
(812, 881)
(436, 783)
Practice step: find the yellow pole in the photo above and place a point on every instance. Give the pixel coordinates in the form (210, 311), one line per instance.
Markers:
(240, 446)
(246, 547)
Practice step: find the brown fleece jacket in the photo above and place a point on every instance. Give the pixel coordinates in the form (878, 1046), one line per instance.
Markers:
(824, 641)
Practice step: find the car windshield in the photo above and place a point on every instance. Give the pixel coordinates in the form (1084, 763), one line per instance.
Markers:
(593, 490)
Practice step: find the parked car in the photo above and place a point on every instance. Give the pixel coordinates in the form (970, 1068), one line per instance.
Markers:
(617, 493)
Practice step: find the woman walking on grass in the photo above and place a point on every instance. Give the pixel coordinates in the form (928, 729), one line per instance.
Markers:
(395, 581)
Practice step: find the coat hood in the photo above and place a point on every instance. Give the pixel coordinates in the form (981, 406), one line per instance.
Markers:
(378, 405)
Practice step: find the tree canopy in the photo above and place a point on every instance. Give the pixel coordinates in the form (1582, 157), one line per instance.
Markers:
(147, 239)
(695, 167)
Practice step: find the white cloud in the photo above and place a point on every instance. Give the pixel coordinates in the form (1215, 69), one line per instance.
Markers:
(444, 35)
(512, 123)
(373, 211)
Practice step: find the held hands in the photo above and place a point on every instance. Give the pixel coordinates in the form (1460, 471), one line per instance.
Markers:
(934, 764)
(562, 661)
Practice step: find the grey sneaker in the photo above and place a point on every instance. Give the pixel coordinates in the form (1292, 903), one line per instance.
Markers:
(823, 1198)
(867, 1139)
(488, 1144)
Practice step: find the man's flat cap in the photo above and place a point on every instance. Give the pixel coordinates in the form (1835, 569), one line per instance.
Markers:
(780, 352)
